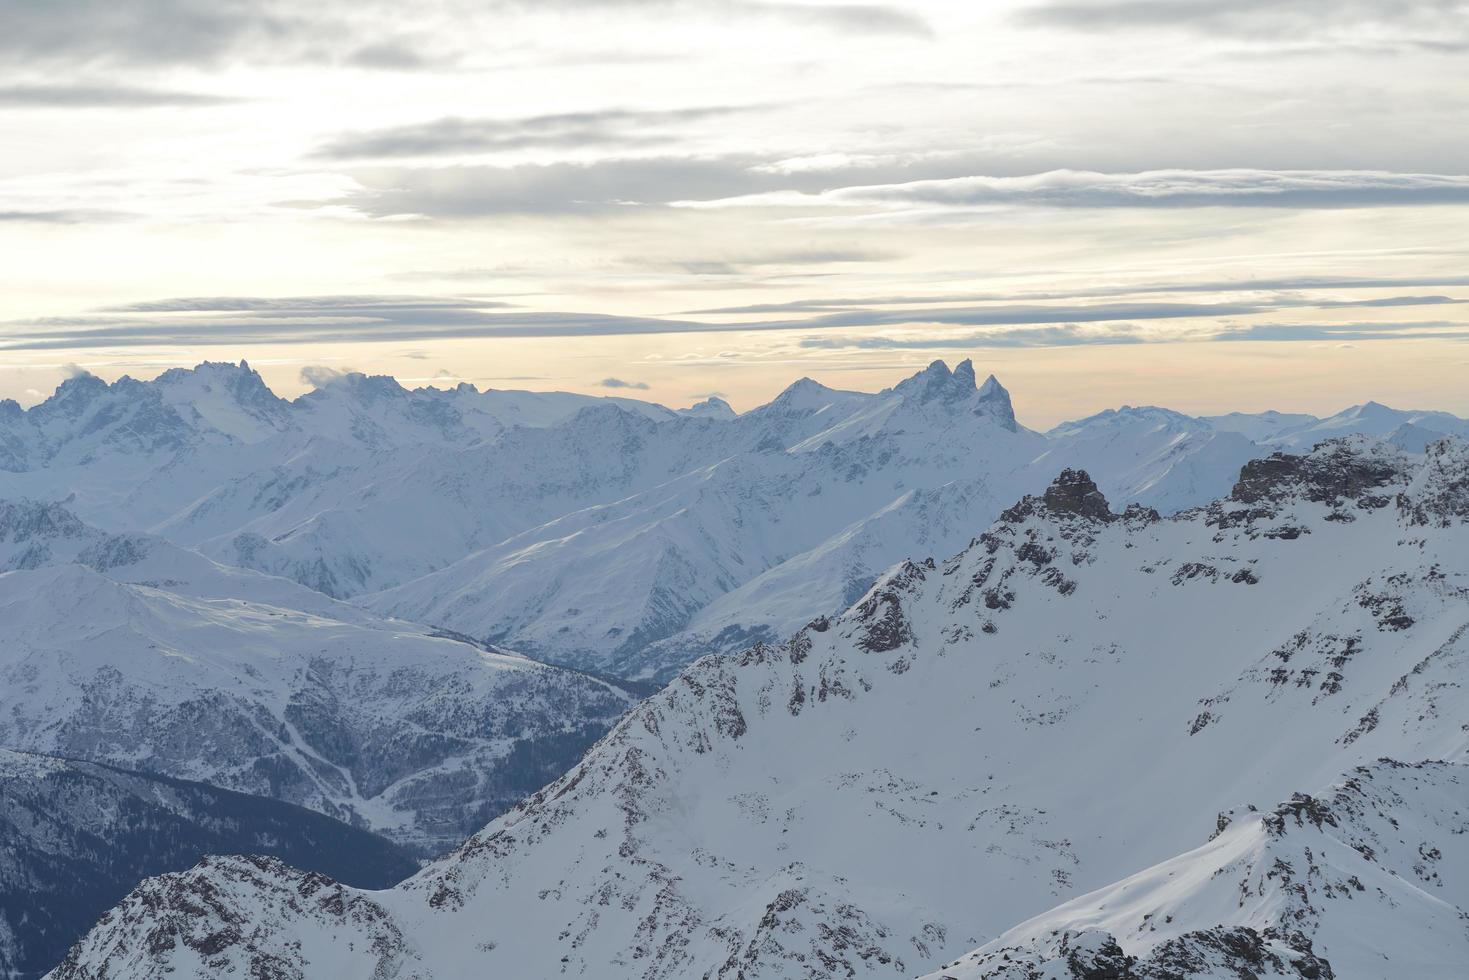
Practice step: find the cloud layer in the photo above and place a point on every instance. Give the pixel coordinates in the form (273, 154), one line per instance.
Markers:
(235, 321)
(1146, 189)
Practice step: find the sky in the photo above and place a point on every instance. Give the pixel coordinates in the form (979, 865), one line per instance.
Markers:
(1209, 206)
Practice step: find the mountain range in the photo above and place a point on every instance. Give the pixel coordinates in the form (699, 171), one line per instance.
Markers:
(1095, 742)
(128, 650)
(498, 514)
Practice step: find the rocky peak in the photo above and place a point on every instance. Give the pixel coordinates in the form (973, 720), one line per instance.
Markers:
(25, 520)
(963, 375)
(800, 397)
(937, 382)
(1439, 492)
(75, 393)
(1074, 492)
(243, 383)
(993, 400)
(1071, 492)
(1338, 468)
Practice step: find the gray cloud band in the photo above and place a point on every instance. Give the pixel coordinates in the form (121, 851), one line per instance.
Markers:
(238, 321)
(1144, 189)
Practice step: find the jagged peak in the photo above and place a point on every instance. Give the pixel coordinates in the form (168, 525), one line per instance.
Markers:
(993, 400)
(964, 374)
(1347, 467)
(1439, 492)
(354, 384)
(1073, 493)
(243, 382)
(80, 380)
(802, 395)
(35, 518)
(937, 383)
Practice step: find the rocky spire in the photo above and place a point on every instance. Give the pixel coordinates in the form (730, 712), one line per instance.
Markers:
(1074, 492)
(993, 400)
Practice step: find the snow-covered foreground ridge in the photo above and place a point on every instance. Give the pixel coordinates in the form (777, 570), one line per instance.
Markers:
(603, 533)
(1057, 718)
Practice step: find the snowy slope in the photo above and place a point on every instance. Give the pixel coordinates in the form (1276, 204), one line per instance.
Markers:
(765, 540)
(1370, 419)
(600, 585)
(78, 836)
(1073, 698)
(1259, 426)
(484, 510)
(823, 580)
(1151, 456)
(126, 649)
(1367, 880)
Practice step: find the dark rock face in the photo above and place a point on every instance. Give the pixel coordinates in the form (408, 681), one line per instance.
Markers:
(1074, 492)
(1241, 951)
(884, 626)
(1336, 470)
(1440, 495)
(78, 836)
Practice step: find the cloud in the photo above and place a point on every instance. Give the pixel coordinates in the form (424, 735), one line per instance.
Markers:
(98, 96)
(392, 56)
(622, 128)
(459, 192)
(619, 383)
(240, 321)
(1145, 189)
(207, 33)
(136, 31)
(617, 182)
(1283, 284)
(1415, 330)
(849, 18)
(1259, 19)
(65, 216)
(740, 262)
(1058, 335)
(295, 305)
(319, 375)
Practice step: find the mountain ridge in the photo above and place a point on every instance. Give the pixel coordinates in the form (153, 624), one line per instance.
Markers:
(1073, 697)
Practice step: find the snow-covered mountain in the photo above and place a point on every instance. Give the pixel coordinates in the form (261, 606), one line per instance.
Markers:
(1373, 871)
(78, 836)
(128, 650)
(1027, 745)
(822, 580)
(496, 513)
(1150, 456)
(600, 585)
(1371, 419)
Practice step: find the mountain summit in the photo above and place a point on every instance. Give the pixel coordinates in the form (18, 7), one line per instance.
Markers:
(957, 388)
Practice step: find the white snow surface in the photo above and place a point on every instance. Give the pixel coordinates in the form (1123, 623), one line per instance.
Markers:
(603, 533)
(1010, 762)
(128, 650)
